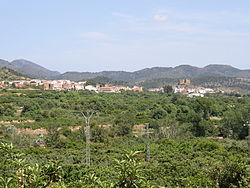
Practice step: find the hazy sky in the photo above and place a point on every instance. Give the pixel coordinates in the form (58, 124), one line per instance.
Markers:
(94, 35)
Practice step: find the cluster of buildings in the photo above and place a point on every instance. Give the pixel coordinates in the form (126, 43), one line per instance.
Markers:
(184, 87)
(21, 83)
(68, 85)
(161, 89)
(60, 85)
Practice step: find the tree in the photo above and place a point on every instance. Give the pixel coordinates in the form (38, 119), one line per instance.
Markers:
(7, 110)
(157, 112)
(168, 89)
(231, 173)
(130, 172)
(123, 129)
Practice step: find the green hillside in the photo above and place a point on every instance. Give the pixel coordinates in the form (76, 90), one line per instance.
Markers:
(182, 71)
(9, 74)
(29, 68)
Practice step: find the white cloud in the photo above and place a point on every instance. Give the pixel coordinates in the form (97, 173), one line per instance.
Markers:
(160, 17)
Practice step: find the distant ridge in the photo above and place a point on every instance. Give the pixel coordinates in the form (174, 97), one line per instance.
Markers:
(29, 68)
(182, 71)
(34, 70)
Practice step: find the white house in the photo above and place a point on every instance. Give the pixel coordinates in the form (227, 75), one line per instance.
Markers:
(91, 88)
(192, 95)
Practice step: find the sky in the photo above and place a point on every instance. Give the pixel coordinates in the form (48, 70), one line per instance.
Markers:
(97, 35)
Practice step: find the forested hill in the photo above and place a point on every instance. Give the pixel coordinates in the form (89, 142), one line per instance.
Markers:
(182, 71)
(9, 74)
(29, 68)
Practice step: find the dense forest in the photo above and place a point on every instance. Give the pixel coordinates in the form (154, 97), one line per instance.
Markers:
(191, 142)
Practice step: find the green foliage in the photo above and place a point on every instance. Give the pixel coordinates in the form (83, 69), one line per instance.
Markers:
(7, 110)
(9, 74)
(183, 145)
(231, 173)
(130, 172)
(123, 130)
(168, 89)
(6, 182)
(91, 181)
(99, 134)
(31, 176)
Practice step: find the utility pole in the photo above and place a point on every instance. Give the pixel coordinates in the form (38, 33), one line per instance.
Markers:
(247, 124)
(87, 116)
(148, 142)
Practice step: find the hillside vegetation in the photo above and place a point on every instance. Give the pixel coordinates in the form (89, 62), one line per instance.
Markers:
(194, 142)
(29, 68)
(8, 74)
(182, 71)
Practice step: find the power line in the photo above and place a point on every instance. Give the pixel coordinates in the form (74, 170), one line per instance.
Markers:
(87, 116)
(148, 142)
(247, 124)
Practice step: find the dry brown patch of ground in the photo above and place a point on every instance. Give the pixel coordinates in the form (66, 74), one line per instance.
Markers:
(139, 129)
(17, 121)
(215, 118)
(31, 131)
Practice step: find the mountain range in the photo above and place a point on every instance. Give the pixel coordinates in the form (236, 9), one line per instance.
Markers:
(29, 68)
(183, 71)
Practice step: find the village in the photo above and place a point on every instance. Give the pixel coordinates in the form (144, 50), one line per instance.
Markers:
(184, 86)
